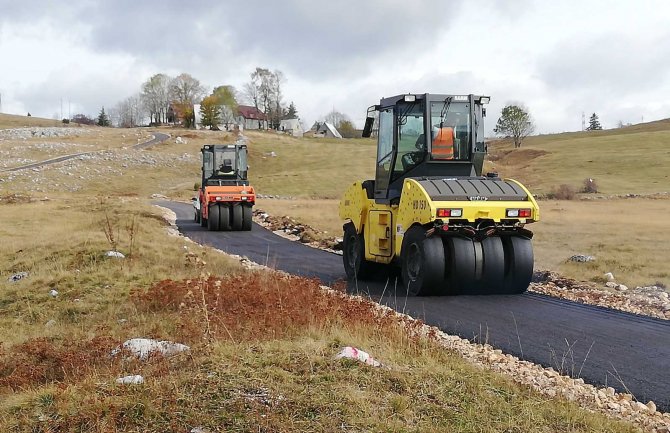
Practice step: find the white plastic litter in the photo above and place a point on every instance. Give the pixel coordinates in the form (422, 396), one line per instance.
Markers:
(142, 348)
(359, 355)
(53, 293)
(134, 379)
(116, 254)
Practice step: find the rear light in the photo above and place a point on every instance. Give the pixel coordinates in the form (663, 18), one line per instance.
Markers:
(519, 213)
(446, 213)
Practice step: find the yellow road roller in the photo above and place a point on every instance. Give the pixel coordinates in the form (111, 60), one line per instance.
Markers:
(430, 211)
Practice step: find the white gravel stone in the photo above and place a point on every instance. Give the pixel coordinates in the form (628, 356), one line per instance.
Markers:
(143, 348)
(135, 379)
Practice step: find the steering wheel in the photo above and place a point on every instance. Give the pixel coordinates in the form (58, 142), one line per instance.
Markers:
(410, 159)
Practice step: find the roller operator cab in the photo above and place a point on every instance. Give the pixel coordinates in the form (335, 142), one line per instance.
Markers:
(429, 210)
(225, 199)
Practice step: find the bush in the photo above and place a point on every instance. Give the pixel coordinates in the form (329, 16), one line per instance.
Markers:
(590, 186)
(563, 192)
(196, 186)
(66, 121)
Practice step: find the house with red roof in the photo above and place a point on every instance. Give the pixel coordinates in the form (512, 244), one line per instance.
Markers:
(251, 117)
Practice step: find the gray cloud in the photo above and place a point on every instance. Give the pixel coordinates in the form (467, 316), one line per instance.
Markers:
(607, 63)
(307, 39)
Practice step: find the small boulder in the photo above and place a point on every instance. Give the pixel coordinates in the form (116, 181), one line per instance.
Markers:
(53, 293)
(609, 276)
(115, 254)
(143, 348)
(581, 258)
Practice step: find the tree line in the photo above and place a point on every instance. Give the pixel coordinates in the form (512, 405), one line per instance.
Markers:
(163, 99)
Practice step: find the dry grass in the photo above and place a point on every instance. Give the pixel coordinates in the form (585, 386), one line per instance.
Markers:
(269, 366)
(628, 237)
(16, 121)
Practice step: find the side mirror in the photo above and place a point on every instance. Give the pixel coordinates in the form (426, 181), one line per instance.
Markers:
(367, 130)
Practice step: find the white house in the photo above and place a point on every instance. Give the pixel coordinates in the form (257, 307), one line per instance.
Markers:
(327, 130)
(291, 126)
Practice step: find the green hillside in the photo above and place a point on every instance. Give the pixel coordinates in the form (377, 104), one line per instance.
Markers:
(627, 160)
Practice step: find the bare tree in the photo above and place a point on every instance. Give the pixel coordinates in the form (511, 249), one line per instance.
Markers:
(128, 113)
(264, 92)
(336, 118)
(186, 89)
(155, 97)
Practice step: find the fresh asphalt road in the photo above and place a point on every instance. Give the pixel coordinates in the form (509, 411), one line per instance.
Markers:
(604, 347)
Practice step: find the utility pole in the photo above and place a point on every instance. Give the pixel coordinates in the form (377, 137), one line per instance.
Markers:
(583, 121)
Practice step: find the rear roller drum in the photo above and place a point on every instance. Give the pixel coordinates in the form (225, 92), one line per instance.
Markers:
(203, 221)
(422, 263)
(461, 268)
(518, 264)
(493, 265)
(224, 217)
(353, 254)
(236, 217)
(247, 212)
(213, 218)
(196, 216)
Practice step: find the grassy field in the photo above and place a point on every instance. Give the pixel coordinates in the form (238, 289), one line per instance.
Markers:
(262, 346)
(16, 121)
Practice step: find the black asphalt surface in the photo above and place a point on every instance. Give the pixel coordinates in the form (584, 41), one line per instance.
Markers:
(605, 347)
(158, 138)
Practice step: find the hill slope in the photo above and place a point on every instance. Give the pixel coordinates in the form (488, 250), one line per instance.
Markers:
(622, 161)
(16, 121)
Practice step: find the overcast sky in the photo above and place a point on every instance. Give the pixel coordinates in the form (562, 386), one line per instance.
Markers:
(559, 59)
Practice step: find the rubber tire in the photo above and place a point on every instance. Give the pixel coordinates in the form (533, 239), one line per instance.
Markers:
(422, 261)
(203, 221)
(353, 254)
(213, 220)
(460, 271)
(236, 217)
(247, 213)
(196, 217)
(224, 217)
(493, 269)
(518, 264)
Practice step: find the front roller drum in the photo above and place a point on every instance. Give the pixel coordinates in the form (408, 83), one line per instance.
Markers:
(422, 263)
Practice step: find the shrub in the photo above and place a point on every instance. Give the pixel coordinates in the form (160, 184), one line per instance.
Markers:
(590, 186)
(563, 192)
(196, 186)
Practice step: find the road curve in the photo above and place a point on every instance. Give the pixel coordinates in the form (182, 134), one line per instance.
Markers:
(604, 347)
(158, 138)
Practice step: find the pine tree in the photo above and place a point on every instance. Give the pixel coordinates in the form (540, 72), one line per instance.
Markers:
(594, 123)
(103, 120)
(292, 112)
